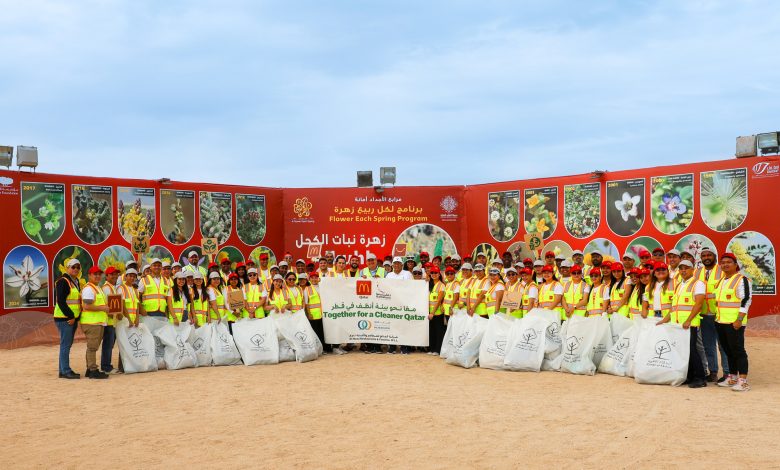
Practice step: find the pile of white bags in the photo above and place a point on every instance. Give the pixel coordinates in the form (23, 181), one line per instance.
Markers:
(603, 338)
(662, 355)
(553, 341)
(256, 340)
(494, 341)
(223, 348)
(178, 352)
(295, 330)
(526, 344)
(455, 321)
(466, 340)
(154, 324)
(580, 338)
(200, 339)
(136, 348)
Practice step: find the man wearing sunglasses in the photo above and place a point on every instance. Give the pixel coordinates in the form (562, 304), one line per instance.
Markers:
(67, 309)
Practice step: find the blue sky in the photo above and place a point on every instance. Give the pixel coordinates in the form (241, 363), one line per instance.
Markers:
(303, 93)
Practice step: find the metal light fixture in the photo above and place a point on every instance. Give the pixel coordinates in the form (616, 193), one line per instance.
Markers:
(597, 174)
(26, 157)
(6, 155)
(746, 146)
(387, 175)
(164, 180)
(767, 143)
(365, 179)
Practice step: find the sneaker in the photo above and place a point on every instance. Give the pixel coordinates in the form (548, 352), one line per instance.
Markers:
(339, 352)
(70, 375)
(723, 378)
(713, 377)
(729, 382)
(697, 384)
(434, 354)
(96, 374)
(741, 386)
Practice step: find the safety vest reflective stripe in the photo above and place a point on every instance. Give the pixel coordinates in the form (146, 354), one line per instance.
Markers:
(73, 301)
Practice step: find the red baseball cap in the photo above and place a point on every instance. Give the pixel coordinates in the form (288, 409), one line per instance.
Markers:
(658, 250)
(528, 260)
(606, 264)
(644, 254)
(450, 270)
(526, 271)
(240, 265)
(95, 270)
(644, 272)
(660, 266)
(213, 265)
(232, 276)
(427, 265)
(425, 253)
(576, 269)
(314, 274)
(435, 269)
(263, 256)
(595, 271)
(616, 266)
(724, 255)
(547, 269)
(224, 260)
(250, 262)
(111, 270)
(635, 271)
(549, 254)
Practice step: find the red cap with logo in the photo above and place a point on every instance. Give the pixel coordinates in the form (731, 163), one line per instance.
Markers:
(616, 266)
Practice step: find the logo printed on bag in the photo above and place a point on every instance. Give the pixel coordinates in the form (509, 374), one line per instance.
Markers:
(363, 287)
(529, 335)
(623, 344)
(662, 348)
(462, 339)
(553, 331)
(501, 346)
(135, 341)
(257, 340)
(572, 344)
(198, 344)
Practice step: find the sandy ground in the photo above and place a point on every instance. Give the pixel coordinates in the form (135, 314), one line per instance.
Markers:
(359, 411)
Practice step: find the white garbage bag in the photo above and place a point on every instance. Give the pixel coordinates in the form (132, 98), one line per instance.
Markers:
(494, 341)
(643, 326)
(457, 318)
(618, 324)
(286, 351)
(554, 345)
(136, 347)
(223, 348)
(200, 339)
(178, 352)
(466, 340)
(553, 342)
(154, 324)
(581, 336)
(297, 330)
(525, 349)
(603, 339)
(256, 340)
(615, 361)
(662, 355)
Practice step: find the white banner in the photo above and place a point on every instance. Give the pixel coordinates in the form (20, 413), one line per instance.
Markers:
(384, 311)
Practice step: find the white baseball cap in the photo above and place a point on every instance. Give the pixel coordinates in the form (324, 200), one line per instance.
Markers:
(371, 256)
(214, 276)
(73, 262)
(566, 264)
(131, 271)
(398, 259)
(673, 252)
(146, 266)
(686, 262)
(538, 263)
(251, 271)
(576, 252)
(192, 253)
(155, 260)
(467, 266)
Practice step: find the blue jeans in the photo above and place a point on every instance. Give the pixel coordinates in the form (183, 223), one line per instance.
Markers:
(109, 338)
(67, 332)
(709, 336)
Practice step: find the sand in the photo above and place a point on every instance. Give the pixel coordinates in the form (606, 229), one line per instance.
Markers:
(382, 411)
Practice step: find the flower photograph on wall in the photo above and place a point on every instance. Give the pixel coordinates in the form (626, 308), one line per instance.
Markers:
(25, 278)
(756, 257)
(135, 212)
(93, 217)
(250, 218)
(116, 256)
(255, 255)
(671, 202)
(504, 214)
(63, 257)
(43, 211)
(724, 199)
(582, 209)
(177, 215)
(541, 210)
(216, 215)
(626, 206)
(693, 244)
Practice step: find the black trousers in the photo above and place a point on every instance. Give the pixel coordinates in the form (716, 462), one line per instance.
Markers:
(316, 325)
(733, 342)
(436, 330)
(695, 366)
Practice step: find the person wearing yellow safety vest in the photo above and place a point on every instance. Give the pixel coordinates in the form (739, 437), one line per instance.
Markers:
(263, 271)
(564, 271)
(711, 273)
(733, 296)
(659, 293)
(551, 292)
(255, 295)
(167, 274)
(513, 285)
(324, 271)
(67, 309)
(217, 309)
(94, 315)
(179, 300)
(313, 304)
(194, 265)
(154, 292)
(494, 292)
(452, 298)
(575, 294)
(673, 260)
(498, 264)
(606, 274)
(598, 297)
(130, 299)
(293, 292)
(537, 275)
(278, 299)
(617, 291)
(635, 286)
(372, 268)
(200, 301)
(233, 312)
(530, 290)
(109, 332)
(339, 268)
(477, 292)
(436, 324)
(466, 280)
(689, 297)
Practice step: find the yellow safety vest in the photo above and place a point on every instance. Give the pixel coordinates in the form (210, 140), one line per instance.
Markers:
(491, 299)
(335, 274)
(574, 293)
(616, 296)
(465, 291)
(516, 287)
(449, 297)
(547, 298)
(727, 310)
(295, 295)
(200, 307)
(254, 298)
(280, 299)
(596, 301)
(94, 317)
(634, 302)
(154, 298)
(314, 304)
(433, 298)
(110, 320)
(666, 300)
(220, 300)
(177, 308)
(380, 272)
(130, 296)
(527, 297)
(476, 287)
(711, 278)
(683, 302)
(73, 300)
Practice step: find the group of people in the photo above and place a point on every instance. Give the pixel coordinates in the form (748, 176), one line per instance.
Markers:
(712, 300)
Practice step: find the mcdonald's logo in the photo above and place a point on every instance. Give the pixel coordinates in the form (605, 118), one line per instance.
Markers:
(363, 287)
(114, 302)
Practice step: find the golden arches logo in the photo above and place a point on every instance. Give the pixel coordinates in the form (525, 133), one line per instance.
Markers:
(302, 207)
(363, 287)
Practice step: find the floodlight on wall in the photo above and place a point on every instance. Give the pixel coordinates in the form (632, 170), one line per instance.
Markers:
(767, 143)
(164, 181)
(365, 179)
(26, 157)
(6, 155)
(387, 175)
(597, 174)
(746, 146)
